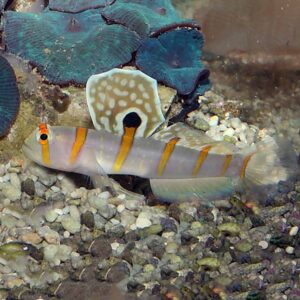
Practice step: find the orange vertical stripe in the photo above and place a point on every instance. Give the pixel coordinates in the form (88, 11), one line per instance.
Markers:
(226, 164)
(126, 144)
(244, 165)
(79, 141)
(166, 154)
(45, 153)
(201, 158)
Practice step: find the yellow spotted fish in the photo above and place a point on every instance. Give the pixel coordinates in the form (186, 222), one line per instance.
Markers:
(181, 163)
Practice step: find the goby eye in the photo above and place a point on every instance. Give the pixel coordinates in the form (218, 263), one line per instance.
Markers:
(43, 133)
(44, 136)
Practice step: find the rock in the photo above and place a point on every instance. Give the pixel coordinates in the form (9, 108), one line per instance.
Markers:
(167, 273)
(100, 248)
(118, 272)
(28, 187)
(143, 220)
(289, 250)
(56, 197)
(230, 227)
(31, 238)
(201, 124)
(44, 175)
(74, 213)
(168, 224)
(171, 247)
(51, 215)
(15, 181)
(52, 237)
(116, 231)
(131, 204)
(88, 220)
(213, 121)
(11, 192)
(76, 261)
(70, 224)
(228, 132)
(211, 262)
(293, 231)
(97, 202)
(39, 188)
(134, 286)
(235, 123)
(127, 218)
(243, 246)
(107, 211)
(263, 244)
(153, 229)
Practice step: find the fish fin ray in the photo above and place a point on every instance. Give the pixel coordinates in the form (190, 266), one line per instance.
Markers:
(193, 138)
(205, 190)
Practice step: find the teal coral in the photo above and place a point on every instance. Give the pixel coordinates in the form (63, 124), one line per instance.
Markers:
(9, 96)
(75, 6)
(144, 17)
(82, 44)
(174, 59)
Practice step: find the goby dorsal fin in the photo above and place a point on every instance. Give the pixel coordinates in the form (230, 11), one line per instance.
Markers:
(193, 138)
(113, 95)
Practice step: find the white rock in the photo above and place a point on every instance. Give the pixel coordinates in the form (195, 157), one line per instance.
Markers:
(104, 195)
(114, 246)
(120, 208)
(294, 231)
(55, 189)
(235, 123)
(228, 132)
(263, 244)
(142, 222)
(213, 121)
(66, 234)
(289, 250)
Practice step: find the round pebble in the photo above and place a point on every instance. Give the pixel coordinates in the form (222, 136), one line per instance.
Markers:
(70, 224)
(263, 244)
(294, 231)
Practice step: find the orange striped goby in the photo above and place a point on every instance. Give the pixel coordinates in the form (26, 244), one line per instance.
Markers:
(181, 163)
(176, 172)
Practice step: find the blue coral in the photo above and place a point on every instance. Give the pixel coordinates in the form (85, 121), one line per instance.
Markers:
(68, 48)
(75, 6)
(9, 96)
(144, 17)
(173, 59)
(73, 39)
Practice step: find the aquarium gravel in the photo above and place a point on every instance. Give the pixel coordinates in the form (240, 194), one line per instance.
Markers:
(88, 237)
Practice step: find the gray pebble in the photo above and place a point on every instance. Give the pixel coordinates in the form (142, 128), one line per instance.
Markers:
(15, 181)
(70, 224)
(11, 192)
(107, 211)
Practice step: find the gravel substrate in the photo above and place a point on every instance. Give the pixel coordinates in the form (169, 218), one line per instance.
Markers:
(62, 240)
